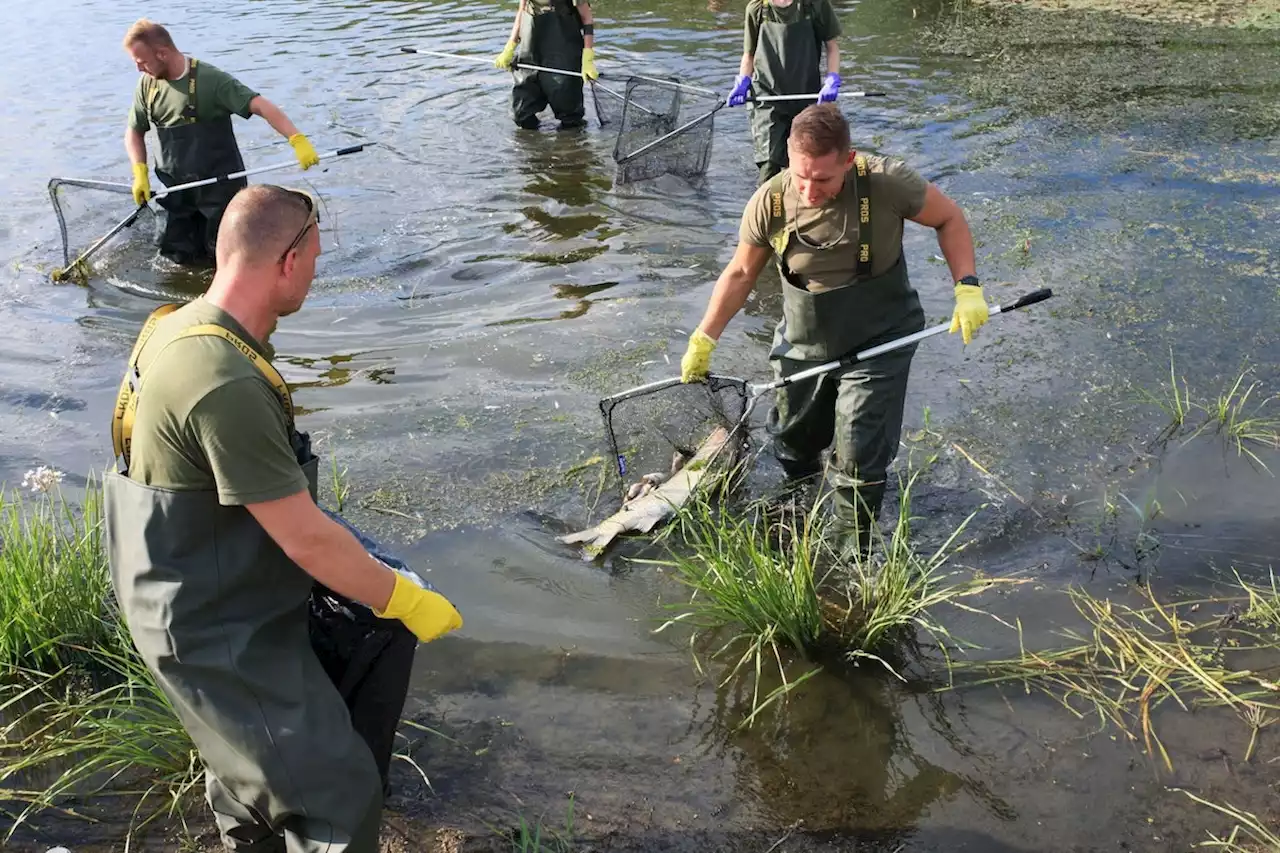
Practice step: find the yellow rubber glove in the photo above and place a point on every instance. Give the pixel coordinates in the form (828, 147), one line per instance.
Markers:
(426, 613)
(504, 59)
(307, 156)
(141, 183)
(696, 363)
(971, 311)
(589, 64)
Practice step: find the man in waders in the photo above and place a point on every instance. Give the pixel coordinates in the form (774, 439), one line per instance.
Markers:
(216, 545)
(191, 103)
(782, 43)
(554, 34)
(834, 222)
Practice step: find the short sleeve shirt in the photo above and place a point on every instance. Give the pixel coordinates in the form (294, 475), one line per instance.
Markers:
(826, 25)
(207, 419)
(164, 102)
(896, 194)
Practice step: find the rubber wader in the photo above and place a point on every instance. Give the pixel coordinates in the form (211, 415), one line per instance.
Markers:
(786, 63)
(550, 36)
(192, 151)
(225, 621)
(858, 407)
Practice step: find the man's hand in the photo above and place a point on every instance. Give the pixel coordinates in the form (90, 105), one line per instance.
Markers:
(589, 64)
(426, 613)
(696, 363)
(830, 88)
(503, 60)
(970, 312)
(302, 149)
(738, 95)
(141, 183)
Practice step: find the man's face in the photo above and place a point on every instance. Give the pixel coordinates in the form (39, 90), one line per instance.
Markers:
(154, 63)
(818, 179)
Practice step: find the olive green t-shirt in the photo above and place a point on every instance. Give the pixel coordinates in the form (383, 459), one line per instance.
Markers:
(207, 419)
(826, 25)
(896, 194)
(162, 102)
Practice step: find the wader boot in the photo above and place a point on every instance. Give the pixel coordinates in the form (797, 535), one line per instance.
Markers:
(193, 151)
(225, 621)
(859, 407)
(786, 63)
(550, 36)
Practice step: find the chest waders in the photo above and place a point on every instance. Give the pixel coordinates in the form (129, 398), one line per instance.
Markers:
(786, 63)
(859, 407)
(225, 621)
(550, 37)
(192, 151)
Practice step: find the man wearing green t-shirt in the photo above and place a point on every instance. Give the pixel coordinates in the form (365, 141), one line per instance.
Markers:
(834, 221)
(783, 42)
(216, 544)
(190, 103)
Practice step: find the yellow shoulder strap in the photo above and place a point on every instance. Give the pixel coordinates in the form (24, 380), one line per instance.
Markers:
(127, 399)
(778, 229)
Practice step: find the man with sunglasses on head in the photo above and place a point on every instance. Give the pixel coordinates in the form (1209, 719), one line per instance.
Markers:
(833, 221)
(190, 103)
(216, 544)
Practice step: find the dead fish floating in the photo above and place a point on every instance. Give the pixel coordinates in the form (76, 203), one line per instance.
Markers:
(656, 498)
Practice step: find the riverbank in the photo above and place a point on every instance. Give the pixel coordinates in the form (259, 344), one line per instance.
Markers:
(1260, 14)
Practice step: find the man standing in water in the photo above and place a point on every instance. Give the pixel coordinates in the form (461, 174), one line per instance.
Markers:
(191, 103)
(554, 34)
(215, 543)
(780, 46)
(834, 221)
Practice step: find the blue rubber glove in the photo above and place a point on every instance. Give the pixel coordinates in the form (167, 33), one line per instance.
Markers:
(830, 88)
(738, 96)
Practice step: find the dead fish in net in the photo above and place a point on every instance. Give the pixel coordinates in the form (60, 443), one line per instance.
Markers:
(649, 482)
(661, 502)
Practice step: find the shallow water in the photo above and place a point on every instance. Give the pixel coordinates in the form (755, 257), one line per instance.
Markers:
(482, 288)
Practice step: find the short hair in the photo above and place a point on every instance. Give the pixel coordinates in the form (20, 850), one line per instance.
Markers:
(150, 33)
(819, 130)
(259, 224)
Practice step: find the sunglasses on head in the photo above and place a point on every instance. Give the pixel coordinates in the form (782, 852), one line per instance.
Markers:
(313, 219)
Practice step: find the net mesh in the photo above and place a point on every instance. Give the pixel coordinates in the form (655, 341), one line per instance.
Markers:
(663, 130)
(647, 428)
(609, 103)
(88, 210)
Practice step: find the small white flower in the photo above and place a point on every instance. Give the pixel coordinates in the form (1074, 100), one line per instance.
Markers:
(42, 479)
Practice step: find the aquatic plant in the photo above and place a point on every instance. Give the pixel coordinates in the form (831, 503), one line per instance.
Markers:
(773, 583)
(1134, 660)
(1248, 835)
(122, 740)
(55, 591)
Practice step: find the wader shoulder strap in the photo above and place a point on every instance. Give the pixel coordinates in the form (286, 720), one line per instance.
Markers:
(127, 399)
(862, 197)
(190, 112)
(776, 224)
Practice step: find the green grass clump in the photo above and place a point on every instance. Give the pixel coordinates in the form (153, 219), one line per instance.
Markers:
(55, 590)
(778, 589)
(89, 741)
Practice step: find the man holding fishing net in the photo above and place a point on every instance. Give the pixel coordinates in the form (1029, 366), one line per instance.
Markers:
(782, 43)
(190, 103)
(219, 555)
(554, 34)
(833, 220)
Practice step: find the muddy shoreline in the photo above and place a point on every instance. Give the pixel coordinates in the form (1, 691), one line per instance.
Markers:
(1260, 14)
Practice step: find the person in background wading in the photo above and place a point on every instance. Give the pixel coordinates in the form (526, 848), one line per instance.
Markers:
(833, 220)
(218, 551)
(190, 103)
(554, 34)
(782, 44)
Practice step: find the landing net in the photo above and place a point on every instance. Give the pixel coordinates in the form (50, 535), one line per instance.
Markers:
(86, 210)
(646, 426)
(665, 128)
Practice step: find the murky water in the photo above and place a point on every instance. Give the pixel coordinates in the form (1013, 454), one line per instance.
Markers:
(482, 288)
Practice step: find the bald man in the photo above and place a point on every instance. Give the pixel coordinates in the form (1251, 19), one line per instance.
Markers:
(215, 544)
